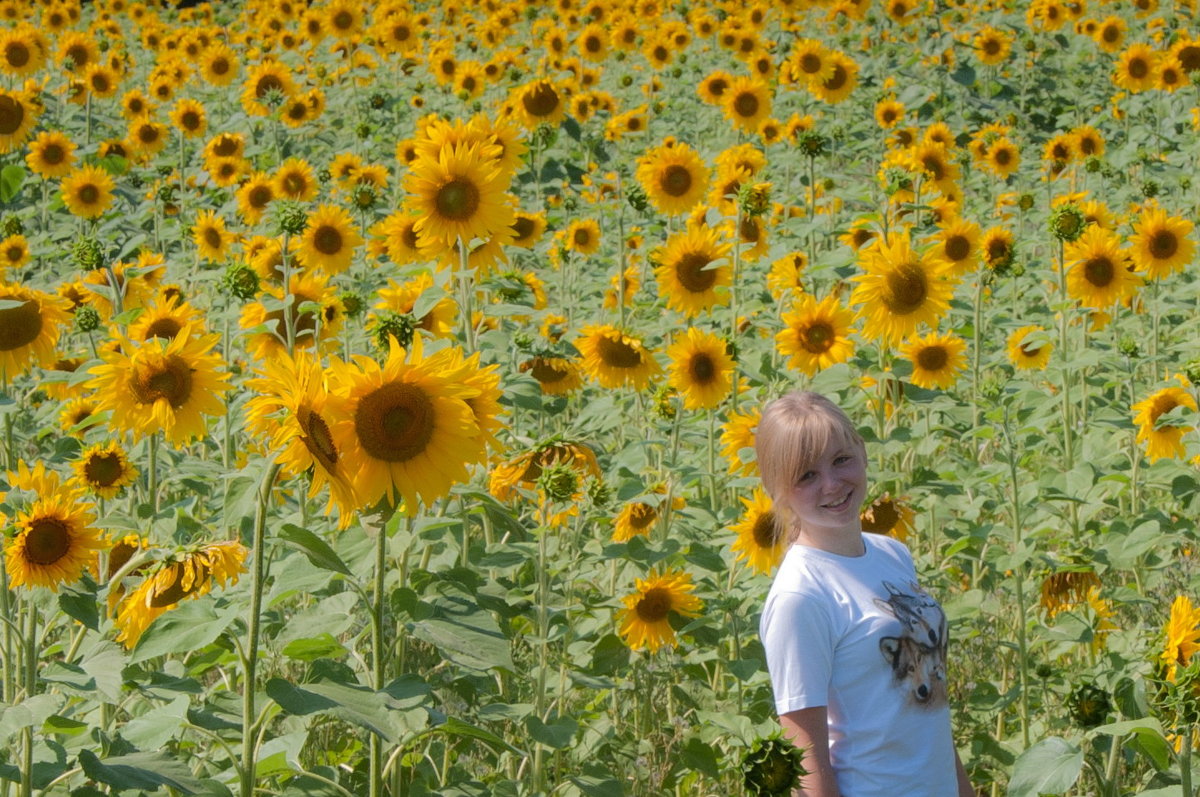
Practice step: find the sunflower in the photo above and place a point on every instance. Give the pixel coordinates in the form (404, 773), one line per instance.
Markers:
(810, 62)
(841, 81)
(219, 64)
(189, 575)
(76, 50)
(646, 619)
(701, 369)
(936, 359)
(1171, 75)
(189, 118)
(54, 542)
(29, 328)
(254, 196)
(309, 325)
(582, 236)
(638, 517)
(212, 239)
(713, 87)
(527, 228)
(816, 334)
(687, 272)
(1003, 157)
(21, 52)
(746, 103)
(1182, 635)
(159, 385)
(889, 113)
(100, 81)
(289, 409)
(890, 516)
(759, 542)
(14, 252)
(87, 191)
(958, 245)
(18, 115)
(526, 468)
(901, 290)
(458, 196)
(557, 376)
(1097, 275)
(329, 240)
(786, 276)
(105, 470)
(344, 18)
(441, 314)
(164, 318)
(266, 80)
(540, 102)
(146, 137)
(1136, 68)
(992, 46)
(406, 428)
(1163, 440)
(295, 179)
(614, 358)
(674, 178)
(1029, 348)
(51, 154)
(1160, 243)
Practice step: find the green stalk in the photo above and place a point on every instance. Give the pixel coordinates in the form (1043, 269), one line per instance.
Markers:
(31, 651)
(1019, 579)
(1185, 761)
(378, 659)
(733, 319)
(465, 289)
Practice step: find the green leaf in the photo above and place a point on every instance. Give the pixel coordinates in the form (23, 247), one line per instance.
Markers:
(152, 730)
(12, 177)
(149, 771)
(63, 725)
(1148, 738)
(190, 626)
(556, 735)
(701, 757)
(324, 646)
(315, 548)
(81, 606)
(464, 634)
(593, 786)
(355, 704)
(27, 714)
(456, 727)
(1049, 767)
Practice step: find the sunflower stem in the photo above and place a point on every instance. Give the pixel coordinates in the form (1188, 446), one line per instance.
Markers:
(290, 301)
(465, 289)
(378, 520)
(6, 608)
(152, 477)
(31, 651)
(1019, 581)
(733, 318)
(1185, 761)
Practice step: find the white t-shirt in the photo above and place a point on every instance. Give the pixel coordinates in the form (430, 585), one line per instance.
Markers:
(858, 636)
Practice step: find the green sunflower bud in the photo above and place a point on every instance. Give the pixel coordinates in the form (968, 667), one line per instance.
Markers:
(1128, 346)
(1089, 705)
(559, 482)
(772, 768)
(290, 217)
(12, 226)
(400, 326)
(87, 318)
(811, 143)
(240, 281)
(599, 493)
(353, 303)
(1067, 222)
(87, 253)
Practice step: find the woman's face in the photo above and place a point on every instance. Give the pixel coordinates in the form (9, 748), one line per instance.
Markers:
(826, 499)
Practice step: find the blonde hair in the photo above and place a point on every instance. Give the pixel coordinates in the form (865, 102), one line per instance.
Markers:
(794, 432)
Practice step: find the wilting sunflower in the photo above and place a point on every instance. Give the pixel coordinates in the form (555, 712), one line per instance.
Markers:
(188, 575)
(289, 409)
(1065, 588)
(329, 240)
(759, 542)
(638, 517)
(212, 240)
(1163, 440)
(29, 329)
(1097, 276)
(998, 249)
(701, 369)
(646, 619)
(815, 334)
(18, 115)
(901, 290)
(1029, 348)
(406, 429)
(526, 468)
(105, 470)
(557, 376)
(689, 271)
(890, 516)
(936, 359)
(674, 178)
(614, 358)
(88, 191)
(1182, 633)
(158, 385)
(746, 103)
(51, 154)
(459, 195)
(1161, 245)
(737, 442)
(54, 542)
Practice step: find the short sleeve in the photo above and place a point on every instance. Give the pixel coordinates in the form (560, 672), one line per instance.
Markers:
(799, 639)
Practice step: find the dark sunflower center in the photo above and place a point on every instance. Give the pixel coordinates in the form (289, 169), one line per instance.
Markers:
(327, 240)
(810, 63)
(190, 120)
(12, 114)
(542, 100)
(641, 516)
(676, 180)
(166, 328)
(547, 372)
(20, 326)
(294, 183)
(401, 33)
(933, 358)
(265, 84)
(16, 54)
(100, 83)
(395, 422)
(934, 166)
(907, 289)
(1031, 349)
(1163, 244)
(1099, 271)
(219, 66)
(749, 230)
(457, 200)
(764, 532)
(958, 247)
(717, 87)
(175, 591)
(1002, 156)
(618, 353)
(104, 470)
(297, 110)
(1189, 57)
(654, 605)
(78, 55)
(147, 134)
(593, 44)
(582, 237)
(172, 380)
(259, 196)
(47, 541)
(885, 516)
(702, 369)
(409, 236)
(1138, 68)
(89, 193)
(1087, 145)
(692, 273)
(745, 105)
(226, 147)
(212, 237)
(837, 79)
(1162, 406)
(14, 254)
(997, 250)
(317, 438)
(343, 20)
(53, 154)
(991, 47)
(523, 227)
(817, 338)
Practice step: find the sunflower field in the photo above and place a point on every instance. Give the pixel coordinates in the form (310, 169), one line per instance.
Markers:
(379, 382)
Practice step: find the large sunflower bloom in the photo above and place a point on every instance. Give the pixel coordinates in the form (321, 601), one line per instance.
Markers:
(329, 240)
(557, 376)
(406, 429)
(646, 619)
(687, 274)
(88, 191)
(1096, 275)
(1136, 68)
(1163, 440)
(105, 470)
(51, 154)
(701, 369)
(54, 542)
(1029, 348)
(816, 334)
(759, 543)
(29, 329)
(737, 437)
(159, 385)
(746, 103)
(936, 359)
(901, 290)
(674, 178)
(1161, 245)
(18, 115)
(459, 195)
(614, 358)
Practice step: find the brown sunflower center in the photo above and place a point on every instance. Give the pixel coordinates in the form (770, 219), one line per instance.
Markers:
(458, 199)
(104, 470)
(1162, 405)
(16, 54)
(343, 20)
(957, 247)
(702, 369)
(933, 358)
(401, 33)
(327, 240)
(582, 237)
(746, 105)
(147, 134)
(78, 55)
(593, 44)
(654, 605)
(907, 289)
(618, 353)
(1099, 271)
(259, 196)
(317, 438)
(395, 422)
(934, 165)
(294, 183)
(817, 338)
(641, 516)
(212, 237)
(266, 84)
(190, 120)
(1189, 57)
(1002, 156)
(219, 66)
(523, 227)
(883, 516)
(88, 194)
(53, 154)
(171, 380)
(226, 147)
(166, 328)
(47, 540)
(541, 100)
(749, 230)
(991, 47)
(14, 253)
(20, 326)
(838, 79)
(12, 114)
(547, 372)
(100, 83)
(676, 180)
(764, 532)
(1163, 244)
(1138, 68)
(692, 273)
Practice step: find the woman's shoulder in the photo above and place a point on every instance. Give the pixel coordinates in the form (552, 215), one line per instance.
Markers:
(889, 546)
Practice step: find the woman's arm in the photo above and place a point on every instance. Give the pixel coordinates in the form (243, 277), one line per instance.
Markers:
(808, 728)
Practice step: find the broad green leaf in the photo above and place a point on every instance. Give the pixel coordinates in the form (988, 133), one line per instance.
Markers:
(456, 727)
(64, 725)
(465, 634)
(701, 757)
(557, 734)
(104, 664)
(324, 646)
(1049, 767)
(281, 754)
(12, 177)
(149, 771)
(81, 606)
(356, 704)
(593, 786)
(28, 713)
(315, 548)
(152, 730)
(189, 626)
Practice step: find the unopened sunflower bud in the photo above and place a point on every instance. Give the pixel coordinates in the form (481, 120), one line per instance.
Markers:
(364, 196)
(1191, 370)
(754, 200)
(240, 281)
(400, 326)
(559, 482)
(1089, 705)
(772, 768)
(12, 226)
(1067, 222)
(363, 131)
(666, 405)
(1151, 189)
(1093, 165)
(599, 493)
(87, 318)
(991, 387)
(811, 143)
(87, 253)
(352, 303)
(377, 101)
(290, 217)
(1025, 201)
(1128, 346)
(324, 176)
(637, 198)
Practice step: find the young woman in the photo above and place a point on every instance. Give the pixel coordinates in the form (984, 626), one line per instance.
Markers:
(855, 648)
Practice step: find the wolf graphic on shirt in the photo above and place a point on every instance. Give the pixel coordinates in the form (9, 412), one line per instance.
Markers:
(918, 656)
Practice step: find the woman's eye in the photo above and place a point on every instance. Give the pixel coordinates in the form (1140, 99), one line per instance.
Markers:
(806, 476)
